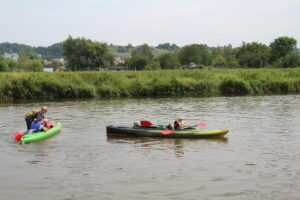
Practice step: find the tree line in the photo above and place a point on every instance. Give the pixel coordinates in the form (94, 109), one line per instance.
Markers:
(24, 63)
(46, 53)
(84, 54)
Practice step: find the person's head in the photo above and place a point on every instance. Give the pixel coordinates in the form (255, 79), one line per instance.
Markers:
(44, 109)
(180, 119)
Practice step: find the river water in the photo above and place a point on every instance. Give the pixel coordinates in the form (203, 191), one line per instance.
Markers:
(258, 159)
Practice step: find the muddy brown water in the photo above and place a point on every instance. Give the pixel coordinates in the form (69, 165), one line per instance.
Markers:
(258, 159)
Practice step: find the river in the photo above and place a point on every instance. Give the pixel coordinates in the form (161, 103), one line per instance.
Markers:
(258, 159)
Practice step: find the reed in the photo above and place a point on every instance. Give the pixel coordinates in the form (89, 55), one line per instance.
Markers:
(171, 83)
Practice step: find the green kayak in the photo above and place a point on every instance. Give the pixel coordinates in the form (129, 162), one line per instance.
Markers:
(158, 131)
(37, 136)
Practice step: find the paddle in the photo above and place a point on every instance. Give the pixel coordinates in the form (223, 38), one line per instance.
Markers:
(166, 132)
(18, 136)
(145, 123)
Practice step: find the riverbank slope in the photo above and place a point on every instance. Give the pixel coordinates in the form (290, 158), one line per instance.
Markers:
(171, 83)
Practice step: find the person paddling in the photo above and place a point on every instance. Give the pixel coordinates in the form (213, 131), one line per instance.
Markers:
(37, 125)
(30, 116)
(178, 124)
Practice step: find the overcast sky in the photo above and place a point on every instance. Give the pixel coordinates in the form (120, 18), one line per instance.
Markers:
(183, 22)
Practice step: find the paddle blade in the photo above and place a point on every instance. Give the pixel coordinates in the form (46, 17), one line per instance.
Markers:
(18, 136)
(146, 123)
(201, 124)
(166, 132)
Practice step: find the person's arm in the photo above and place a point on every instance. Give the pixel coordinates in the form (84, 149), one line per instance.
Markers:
(43, 128)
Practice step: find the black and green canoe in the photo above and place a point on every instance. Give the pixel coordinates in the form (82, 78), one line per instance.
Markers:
(156, 131)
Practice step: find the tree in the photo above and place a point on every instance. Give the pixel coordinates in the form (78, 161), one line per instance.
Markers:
(282, 46)
(3, 64)
(290, 60)
(154, 65)
(219, 61)
(169, 61)
(84, 54)
(253, 55)
(167, 46)
(225, 56)
(194, 53)
(140, 57)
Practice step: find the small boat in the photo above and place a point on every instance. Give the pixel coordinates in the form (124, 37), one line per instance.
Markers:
(37, 136)
(158, 131)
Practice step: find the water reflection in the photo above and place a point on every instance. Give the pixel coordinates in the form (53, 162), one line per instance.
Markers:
(175, 144)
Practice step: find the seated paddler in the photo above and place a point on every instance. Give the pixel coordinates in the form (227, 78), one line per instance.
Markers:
(37, 125)
(178, 124)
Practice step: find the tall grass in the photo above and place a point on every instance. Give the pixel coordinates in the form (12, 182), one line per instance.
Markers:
(217, 82)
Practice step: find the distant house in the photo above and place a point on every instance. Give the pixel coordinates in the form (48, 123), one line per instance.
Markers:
(12, 56)
(54, 65)
(60, 61)
(192, 66)
(60, 69)
(48, 68)
(119, 60)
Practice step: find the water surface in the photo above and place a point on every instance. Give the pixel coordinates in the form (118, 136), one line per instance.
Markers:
(258, 159)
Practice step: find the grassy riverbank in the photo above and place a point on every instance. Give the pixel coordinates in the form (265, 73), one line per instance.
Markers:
(42, 85)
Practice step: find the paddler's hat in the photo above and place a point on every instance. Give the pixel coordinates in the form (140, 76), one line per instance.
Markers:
(45, 108)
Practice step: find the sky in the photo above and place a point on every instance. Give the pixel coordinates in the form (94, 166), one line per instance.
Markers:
(120, 22)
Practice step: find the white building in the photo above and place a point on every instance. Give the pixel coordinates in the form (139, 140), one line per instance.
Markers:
(13, 56)
(48, 68)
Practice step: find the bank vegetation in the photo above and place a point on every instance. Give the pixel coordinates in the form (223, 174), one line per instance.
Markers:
(159, 83)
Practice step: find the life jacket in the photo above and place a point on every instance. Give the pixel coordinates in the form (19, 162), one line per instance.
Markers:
(50, 124)
(32, 114)
(36, 126)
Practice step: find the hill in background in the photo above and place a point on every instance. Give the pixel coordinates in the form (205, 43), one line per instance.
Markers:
(56, 50)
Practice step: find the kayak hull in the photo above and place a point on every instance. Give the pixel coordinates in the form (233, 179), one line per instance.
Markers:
(154, 132)
(38, 136)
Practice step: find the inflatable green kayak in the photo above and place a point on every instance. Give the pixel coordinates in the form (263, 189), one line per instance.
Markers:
(161, 131)
(37, 136)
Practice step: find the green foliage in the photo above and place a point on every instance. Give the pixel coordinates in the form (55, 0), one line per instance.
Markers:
(232, 85)
(253, 54)
(53, 51)
(25, 63)
(140, 57)
(290, 60)
(282, 46)
(50, 52)
(154, 65)
(194, 53)
(225, 57)
(167, 46)
(3, 64)
(169, 61)
(83, 54)
(158, 83)
(219, 61)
